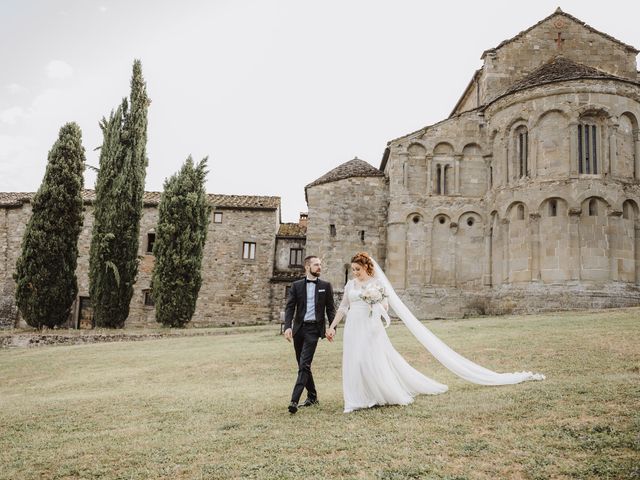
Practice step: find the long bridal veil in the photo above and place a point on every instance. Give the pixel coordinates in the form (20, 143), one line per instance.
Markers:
(455, 362)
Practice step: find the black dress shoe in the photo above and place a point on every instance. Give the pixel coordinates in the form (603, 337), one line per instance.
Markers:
(309, 402)
(293, 407)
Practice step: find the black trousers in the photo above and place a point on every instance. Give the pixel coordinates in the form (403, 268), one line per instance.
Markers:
(305, 342)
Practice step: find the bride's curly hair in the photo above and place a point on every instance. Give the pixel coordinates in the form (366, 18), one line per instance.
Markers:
(363, 258)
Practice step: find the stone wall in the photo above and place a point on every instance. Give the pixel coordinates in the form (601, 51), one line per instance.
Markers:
(345, 217)
(515, 59)
(235, 291)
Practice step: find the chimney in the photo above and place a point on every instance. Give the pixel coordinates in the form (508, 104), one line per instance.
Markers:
(304, 217)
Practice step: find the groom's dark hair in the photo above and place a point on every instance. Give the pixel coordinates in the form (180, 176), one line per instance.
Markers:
(308, 259)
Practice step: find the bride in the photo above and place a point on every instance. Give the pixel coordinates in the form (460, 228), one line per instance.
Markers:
(373, 372)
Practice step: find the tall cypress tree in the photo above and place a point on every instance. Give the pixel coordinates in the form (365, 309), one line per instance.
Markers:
(180, 238)
(46, 284)
(113, 262)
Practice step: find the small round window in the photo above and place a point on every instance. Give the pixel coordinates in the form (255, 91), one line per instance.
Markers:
(416, 219)
(470, 221)
(441, 220)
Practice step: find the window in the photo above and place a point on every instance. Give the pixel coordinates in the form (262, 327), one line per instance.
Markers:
(332, 230)
(553, 208)
(148, 298)
(587, 148)
(470, 221)
(439, 180)
(520, 212)
(593, 207)
(217, 217)
(151, 240)
(249, 250)
(295, 257)
(361, 235)
(522, 151)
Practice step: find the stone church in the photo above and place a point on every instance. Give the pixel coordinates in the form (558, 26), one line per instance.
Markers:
(524, 199)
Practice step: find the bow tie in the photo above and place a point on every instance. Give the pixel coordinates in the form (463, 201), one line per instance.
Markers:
(311, 281)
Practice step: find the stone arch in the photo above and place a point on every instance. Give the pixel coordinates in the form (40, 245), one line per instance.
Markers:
(469, 246)
(416, 169)
(518, 243)
(624, 163)
(473, 171)
(550, 144)
(416, 243)
(442, 250)
(554, 251)
(629, 252)
(598, 239)
(443, 148)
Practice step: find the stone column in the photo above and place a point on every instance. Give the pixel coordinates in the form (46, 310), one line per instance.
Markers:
(506, 252)
(487, 161)
(429, 160)
(614, 240)
(636, 153)
(453, 228)
(613, 151)
(488, 262)
(396, 254)
(637, 251)
(573, 149)
(456, 173)
(403, 159)
(574, 243)
(534, 235)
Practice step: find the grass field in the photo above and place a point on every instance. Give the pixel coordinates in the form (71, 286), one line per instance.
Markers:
(215, 407)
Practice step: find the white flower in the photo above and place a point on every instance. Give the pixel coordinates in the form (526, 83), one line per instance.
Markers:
(373, 293)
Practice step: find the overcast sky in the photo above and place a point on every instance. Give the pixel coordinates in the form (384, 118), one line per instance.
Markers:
(275, 93)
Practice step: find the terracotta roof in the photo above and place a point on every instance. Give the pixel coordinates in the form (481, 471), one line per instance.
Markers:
(560, 69)
(352, 168)
(564, 14)
(16, 199)
(292, 230)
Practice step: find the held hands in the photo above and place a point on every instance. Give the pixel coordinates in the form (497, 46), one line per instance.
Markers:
(288, 334)
(331, 333)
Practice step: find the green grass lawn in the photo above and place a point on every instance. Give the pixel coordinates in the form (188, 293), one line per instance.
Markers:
(215, 407)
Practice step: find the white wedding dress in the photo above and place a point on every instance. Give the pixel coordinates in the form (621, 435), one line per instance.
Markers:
(374, 373)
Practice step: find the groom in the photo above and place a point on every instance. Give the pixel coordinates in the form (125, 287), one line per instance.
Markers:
(309, 306)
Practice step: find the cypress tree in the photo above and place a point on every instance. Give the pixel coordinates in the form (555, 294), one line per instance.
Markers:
(46, 284)
(113, 262)
(180, 238)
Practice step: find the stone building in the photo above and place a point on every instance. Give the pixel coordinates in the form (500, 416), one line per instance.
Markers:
(525, 198)
(249, 259)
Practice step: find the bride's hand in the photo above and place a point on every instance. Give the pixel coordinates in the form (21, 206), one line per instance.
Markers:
(331, 333)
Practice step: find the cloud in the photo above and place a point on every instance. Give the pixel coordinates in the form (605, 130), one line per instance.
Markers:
(59, 69)
(15, 88)
(11, 115)
(102, 9)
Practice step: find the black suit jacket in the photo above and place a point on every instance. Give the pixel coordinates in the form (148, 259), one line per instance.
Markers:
(297, 305)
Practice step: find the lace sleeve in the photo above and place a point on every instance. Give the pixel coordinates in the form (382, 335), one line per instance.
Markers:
(344, 303)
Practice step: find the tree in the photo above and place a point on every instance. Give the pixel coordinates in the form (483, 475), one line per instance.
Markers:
(180, 238)
(46, 283)
(113, 258)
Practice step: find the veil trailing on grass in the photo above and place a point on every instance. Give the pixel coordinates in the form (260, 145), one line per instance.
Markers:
(455, 362)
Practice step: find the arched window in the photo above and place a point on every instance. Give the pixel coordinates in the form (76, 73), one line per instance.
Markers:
(521, 152)
(553, 208)
(439, 179)
(520, 212)
(593, 207)
(589, 129)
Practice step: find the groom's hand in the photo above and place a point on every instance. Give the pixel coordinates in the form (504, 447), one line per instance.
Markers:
(288, 334)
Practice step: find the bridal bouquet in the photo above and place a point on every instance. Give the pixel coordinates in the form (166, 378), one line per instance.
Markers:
(373, 294)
